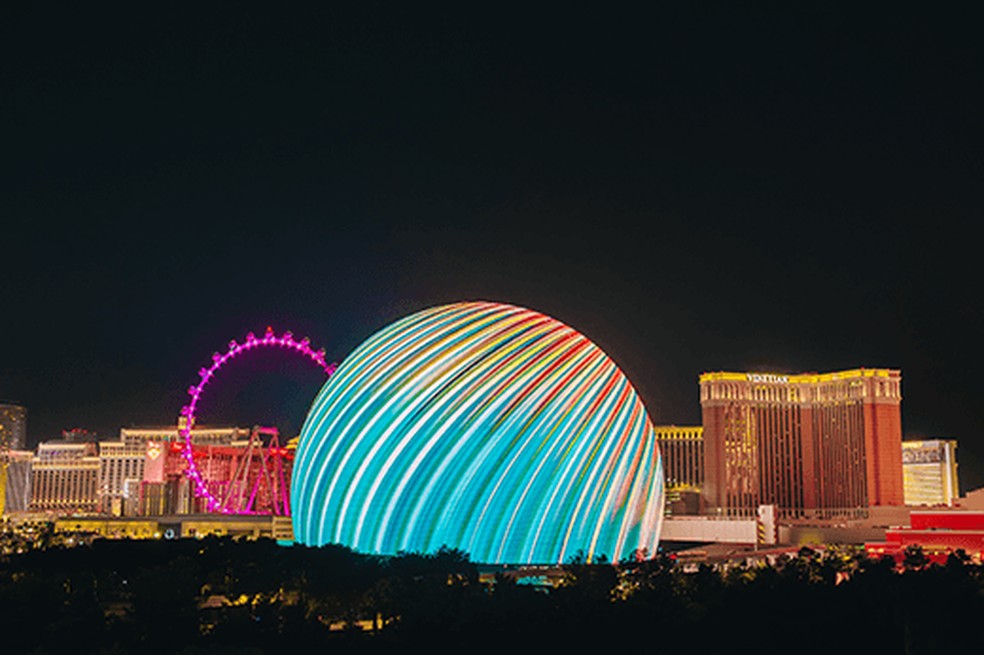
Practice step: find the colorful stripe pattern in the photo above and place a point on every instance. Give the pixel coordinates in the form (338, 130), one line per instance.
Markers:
(483, 427)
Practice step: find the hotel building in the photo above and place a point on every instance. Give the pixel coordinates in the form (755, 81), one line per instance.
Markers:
(810, 444)
(122, 462)
(15, 480)
(929, 472)
(13, 426)
(681, 450)
(64, 478)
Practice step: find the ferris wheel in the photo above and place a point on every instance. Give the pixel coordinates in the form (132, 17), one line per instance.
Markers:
(236, 499)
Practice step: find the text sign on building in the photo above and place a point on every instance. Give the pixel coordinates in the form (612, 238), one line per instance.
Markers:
(768, 377)
(917, 452)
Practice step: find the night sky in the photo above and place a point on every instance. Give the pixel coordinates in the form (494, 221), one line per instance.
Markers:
(695, 189)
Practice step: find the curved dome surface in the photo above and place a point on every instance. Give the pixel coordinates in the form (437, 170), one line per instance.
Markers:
(480, 426)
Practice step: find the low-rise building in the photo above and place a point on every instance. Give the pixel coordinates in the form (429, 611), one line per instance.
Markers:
(938, 533)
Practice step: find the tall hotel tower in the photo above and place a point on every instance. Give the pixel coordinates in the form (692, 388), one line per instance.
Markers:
(830, 441)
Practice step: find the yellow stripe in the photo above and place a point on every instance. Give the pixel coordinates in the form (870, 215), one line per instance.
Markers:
(801, 378)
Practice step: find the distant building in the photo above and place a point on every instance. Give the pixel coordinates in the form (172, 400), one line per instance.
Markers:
(79, 435)
(973, 499)
(248, 475)
(135, 439)
(13, 426)
(122, 463)
(15, 481)
(120, 472)
(76, 475)
(929, 472)
(682, 452)
(250, 526)
(65, 478)
(810, 444)
(939, 533)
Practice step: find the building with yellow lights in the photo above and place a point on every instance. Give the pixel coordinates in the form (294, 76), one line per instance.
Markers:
(64, 478)
(810, 444)
(681, 449)
(929, 472)
(13, 426)
(253, 526)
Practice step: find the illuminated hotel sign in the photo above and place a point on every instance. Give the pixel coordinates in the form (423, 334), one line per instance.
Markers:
(768, 377)
(918, 452)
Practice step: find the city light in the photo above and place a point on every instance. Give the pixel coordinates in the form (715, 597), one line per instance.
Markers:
(485, 427)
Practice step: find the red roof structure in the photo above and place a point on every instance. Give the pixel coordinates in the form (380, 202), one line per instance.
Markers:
(938, 533)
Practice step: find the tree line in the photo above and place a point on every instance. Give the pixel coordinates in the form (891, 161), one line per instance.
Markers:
(222, 595)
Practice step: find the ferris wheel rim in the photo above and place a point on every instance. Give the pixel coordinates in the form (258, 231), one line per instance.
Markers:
(206, 374)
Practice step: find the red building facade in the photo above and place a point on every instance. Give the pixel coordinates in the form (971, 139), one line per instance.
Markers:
(938, 533)
(248, 477)
(808, 443)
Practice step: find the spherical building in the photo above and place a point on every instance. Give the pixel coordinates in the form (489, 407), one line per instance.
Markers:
(484, 427)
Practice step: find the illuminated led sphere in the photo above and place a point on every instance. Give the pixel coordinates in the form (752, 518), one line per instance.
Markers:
(484, 427)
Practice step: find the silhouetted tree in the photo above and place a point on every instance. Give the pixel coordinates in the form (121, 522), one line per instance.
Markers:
(914, 559)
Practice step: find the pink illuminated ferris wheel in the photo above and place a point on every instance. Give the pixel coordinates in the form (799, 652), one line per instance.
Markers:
(285, 342)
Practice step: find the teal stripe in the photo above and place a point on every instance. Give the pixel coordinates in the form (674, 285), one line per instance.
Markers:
(480, 426)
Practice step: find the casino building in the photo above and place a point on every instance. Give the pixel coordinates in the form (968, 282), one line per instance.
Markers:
(813, 444)
(682, 448)
(682, 451)
(65, 478)
(929, 472)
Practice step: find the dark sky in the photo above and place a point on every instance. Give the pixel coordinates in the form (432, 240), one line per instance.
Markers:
(694, 188)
